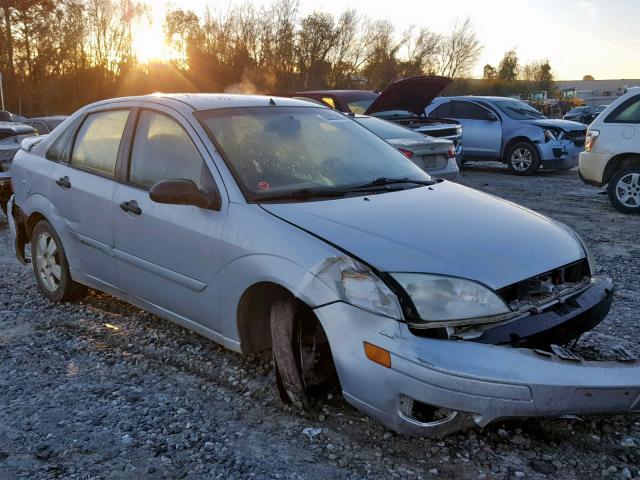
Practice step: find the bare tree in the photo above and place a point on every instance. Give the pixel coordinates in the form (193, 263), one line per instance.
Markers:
(459, 51)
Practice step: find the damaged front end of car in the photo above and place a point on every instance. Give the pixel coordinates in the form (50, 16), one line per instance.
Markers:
(420, 362)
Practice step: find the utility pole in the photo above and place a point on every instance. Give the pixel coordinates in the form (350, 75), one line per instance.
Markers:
(1, 91)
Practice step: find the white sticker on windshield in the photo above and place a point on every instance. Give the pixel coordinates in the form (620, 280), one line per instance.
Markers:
(332, 117)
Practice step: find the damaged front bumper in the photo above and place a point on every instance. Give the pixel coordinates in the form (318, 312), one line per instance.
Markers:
(471, 382)
(560, 154)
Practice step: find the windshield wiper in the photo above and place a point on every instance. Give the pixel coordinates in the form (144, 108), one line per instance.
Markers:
(302, 194)
(384, 181)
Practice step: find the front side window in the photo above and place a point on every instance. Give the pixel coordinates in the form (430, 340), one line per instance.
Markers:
(162, 150)
(628, 112)
(281, 149)
(98, 141)
(469, 111)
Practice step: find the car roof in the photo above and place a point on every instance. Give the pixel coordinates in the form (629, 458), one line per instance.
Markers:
(47, 118)
(479, 97)
(15, 128)
(210, 101)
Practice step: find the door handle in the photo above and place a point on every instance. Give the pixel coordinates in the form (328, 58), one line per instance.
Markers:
(131, 206)
(64, 182)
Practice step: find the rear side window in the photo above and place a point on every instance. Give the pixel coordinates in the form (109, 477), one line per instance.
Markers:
(162, 150)
(98, 140)
(628, 112)
(443, 111)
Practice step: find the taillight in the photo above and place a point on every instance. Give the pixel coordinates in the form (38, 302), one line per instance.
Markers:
(592, 138)
(452, 151)
(406, 153)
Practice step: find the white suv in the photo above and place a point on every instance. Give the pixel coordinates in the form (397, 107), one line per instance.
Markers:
(612, 153)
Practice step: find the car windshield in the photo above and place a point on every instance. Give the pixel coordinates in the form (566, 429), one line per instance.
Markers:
(285, 149)
(360, 106)
(518, 110)
(388, 130)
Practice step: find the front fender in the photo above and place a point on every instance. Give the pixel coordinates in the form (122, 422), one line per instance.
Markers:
(241, 274)
(530, 132)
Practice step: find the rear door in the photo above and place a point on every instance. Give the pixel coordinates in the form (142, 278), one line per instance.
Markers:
(81, 191)
(481, 129)
(621, 127)
(167, 254)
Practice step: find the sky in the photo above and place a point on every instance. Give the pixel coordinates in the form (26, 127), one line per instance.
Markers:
(579, 37)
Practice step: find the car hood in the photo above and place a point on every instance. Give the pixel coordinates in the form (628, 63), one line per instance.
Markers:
(566, 125)
(412, 94)
(446, 229)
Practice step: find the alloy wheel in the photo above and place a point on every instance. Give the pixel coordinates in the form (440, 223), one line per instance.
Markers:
(628, 190)
(48, 261)
(521, 159)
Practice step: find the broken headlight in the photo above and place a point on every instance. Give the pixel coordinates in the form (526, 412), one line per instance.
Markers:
(553, 134)
(441, 299)
(356, 284)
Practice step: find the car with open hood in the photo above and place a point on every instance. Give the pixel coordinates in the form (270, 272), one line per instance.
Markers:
(402, 102)
(268, 223)
(513, 132)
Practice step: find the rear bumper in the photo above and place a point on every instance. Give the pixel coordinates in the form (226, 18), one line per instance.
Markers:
(476, 383)
(449, 172)
(591, 168)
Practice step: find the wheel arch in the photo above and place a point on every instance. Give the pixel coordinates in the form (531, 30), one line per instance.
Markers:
(617, 162)
(511, 142)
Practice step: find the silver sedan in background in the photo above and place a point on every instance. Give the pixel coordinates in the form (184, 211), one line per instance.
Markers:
(435, 156)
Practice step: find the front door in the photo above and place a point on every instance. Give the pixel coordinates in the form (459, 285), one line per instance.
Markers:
(168, 254)
(81, 192)
(481, 129)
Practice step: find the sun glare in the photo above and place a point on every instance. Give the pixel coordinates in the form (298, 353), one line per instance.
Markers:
(149, 44)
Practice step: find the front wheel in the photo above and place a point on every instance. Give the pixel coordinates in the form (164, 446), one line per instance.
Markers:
(523, 158)
(624, 189)
(51, 267)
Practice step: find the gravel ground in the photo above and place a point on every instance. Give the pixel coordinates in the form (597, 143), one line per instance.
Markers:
(100, 389)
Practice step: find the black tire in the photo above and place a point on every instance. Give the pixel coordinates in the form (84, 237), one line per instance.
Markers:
(523, 158)
(3, 206)
(51, 268)
(624, 189)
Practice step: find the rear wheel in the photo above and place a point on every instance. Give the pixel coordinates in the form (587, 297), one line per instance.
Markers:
(51, 267)
(624, 189)
(523, 158)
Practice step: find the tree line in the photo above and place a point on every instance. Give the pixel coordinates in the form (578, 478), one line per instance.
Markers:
(57, 55)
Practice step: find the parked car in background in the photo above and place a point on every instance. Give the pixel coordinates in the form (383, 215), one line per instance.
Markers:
(287, 226)
(44, 125)
(508, 130)
(436, 156)
(585, 114)
(612, 152)
(403, 102)
(11, 134)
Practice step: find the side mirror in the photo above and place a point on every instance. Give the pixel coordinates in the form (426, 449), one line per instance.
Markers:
(185, 192)
(491, 117)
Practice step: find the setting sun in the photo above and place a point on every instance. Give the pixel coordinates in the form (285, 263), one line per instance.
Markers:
(149, 44)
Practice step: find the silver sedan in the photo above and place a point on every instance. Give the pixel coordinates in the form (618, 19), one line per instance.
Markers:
(273, 224)
(435, 156)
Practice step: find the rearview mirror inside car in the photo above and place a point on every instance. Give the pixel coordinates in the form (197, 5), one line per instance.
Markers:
(184, 192)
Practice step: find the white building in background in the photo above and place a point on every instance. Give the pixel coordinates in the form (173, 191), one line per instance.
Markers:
(596, 92)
